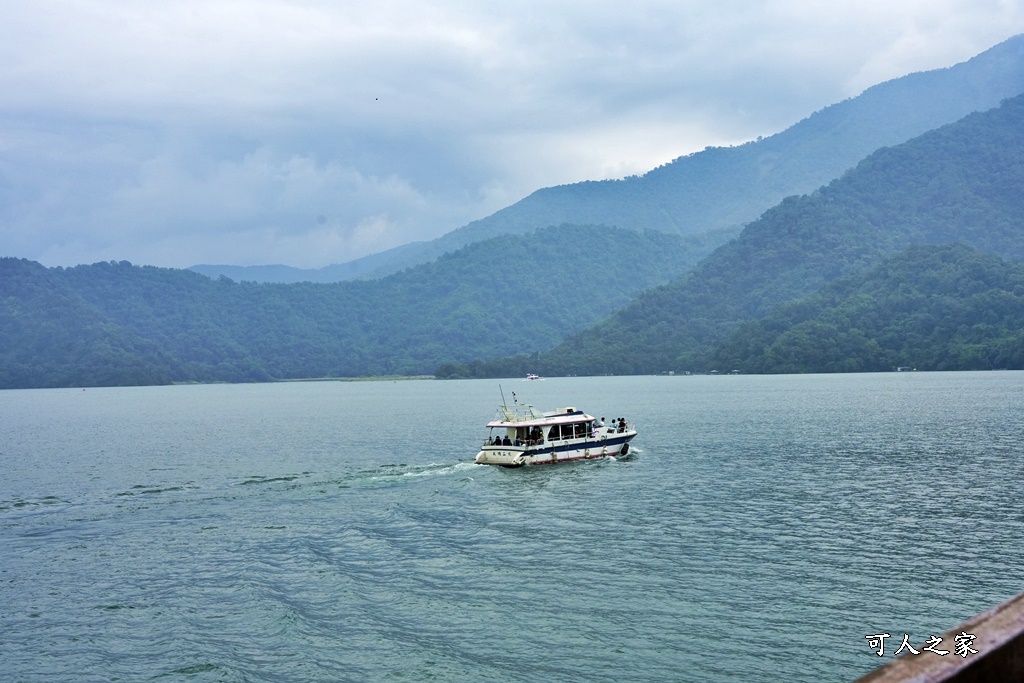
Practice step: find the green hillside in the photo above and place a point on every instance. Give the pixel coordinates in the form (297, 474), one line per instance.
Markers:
(929, 307)
(51, 337)
(115, 323)
(960, 183)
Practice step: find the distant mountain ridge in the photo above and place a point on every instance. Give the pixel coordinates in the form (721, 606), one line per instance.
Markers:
(366, 267)
(723, 188)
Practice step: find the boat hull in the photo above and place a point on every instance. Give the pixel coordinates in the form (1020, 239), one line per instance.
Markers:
(550, 454)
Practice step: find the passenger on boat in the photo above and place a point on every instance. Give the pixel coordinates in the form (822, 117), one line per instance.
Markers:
(506, 441)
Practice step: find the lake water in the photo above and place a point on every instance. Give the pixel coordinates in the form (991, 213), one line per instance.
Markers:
(759, 529)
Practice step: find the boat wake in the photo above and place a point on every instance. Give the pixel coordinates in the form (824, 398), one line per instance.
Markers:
(434, 469)
(403, 472)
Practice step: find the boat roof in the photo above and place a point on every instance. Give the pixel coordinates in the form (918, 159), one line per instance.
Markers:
(528, 416)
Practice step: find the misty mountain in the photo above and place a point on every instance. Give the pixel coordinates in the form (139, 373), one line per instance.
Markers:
(958, 184)
(117, 324)
(722, 188)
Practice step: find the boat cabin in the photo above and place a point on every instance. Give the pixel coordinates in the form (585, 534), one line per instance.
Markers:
(528, 427)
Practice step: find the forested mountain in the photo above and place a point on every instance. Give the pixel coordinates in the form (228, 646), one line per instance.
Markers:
(960, 183)
(119, 324)
(724, 187)
(929, 308)
(116, 324)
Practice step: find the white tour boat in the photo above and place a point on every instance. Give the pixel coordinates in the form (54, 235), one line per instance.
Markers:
(522, 435)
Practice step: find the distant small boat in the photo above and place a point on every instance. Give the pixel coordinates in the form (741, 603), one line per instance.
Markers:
(530, 375)
(522, 435)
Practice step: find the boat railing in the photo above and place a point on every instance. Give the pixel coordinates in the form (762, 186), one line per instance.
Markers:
(518, 413)
(514, 446)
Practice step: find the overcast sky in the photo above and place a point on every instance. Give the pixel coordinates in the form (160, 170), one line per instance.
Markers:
(310, 132)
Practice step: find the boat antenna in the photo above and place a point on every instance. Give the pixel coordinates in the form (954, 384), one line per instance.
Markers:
(502, 395)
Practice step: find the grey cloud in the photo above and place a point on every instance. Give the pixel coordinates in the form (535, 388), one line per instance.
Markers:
(313, 132)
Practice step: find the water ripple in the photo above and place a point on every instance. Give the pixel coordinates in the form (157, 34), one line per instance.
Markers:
(758, 530)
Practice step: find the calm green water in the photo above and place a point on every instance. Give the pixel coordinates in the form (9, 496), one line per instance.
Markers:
(759, 529)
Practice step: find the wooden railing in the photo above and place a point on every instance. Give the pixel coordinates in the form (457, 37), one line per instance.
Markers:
(998, 652)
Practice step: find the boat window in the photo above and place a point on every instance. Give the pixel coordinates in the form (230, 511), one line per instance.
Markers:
(581, 430)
